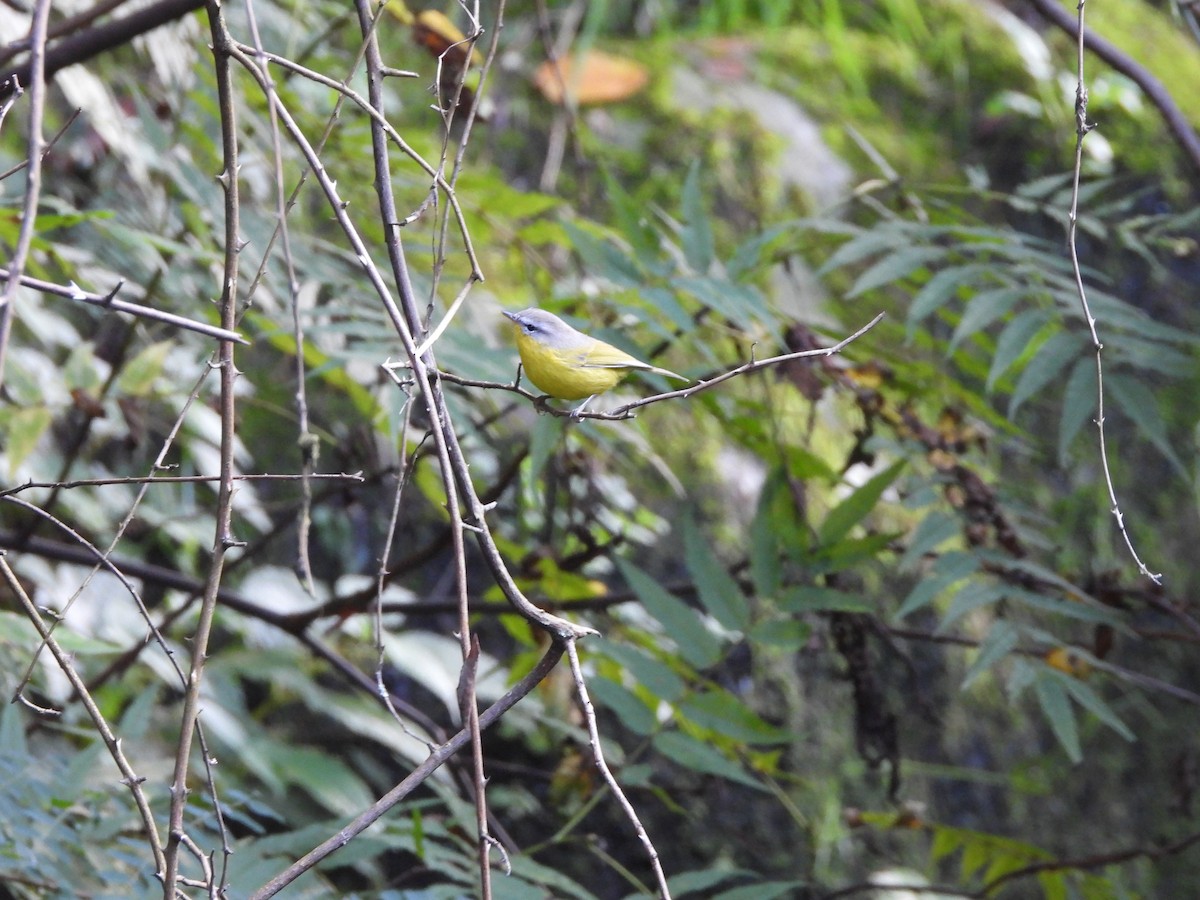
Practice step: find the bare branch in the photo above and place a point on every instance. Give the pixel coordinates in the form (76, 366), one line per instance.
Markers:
(130, 778)
(589, 714)
(415, 778)
(33, 180)
(1081, 130)
(110, 301)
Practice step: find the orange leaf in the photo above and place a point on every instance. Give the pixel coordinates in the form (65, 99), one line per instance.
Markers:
(599, 78)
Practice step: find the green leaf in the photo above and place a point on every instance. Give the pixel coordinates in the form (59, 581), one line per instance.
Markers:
(1000, 641)
(720, 711)
(603, 258)
(972, 596)
(1054, 886)
(750, 255)
(319, 364)
(81, 369)
(12, 733)
(945, 842)
(933, 531)
(650, 673)
(1014, 341)
(787, 634)
(1139, 403)
(923, 593)
(1079, 404)
(854, 508)
(894, 267)
(535, 880)
(697, 237)
(764, 890)
(700, 757)
(976, 854)
(1089, 611)
(776, 516)
(543, 232)
(737, 303)
(682, 623)
(325, 778)
(1056, 706)
(718, 591)
(1151, 355)
(138, 377)
(1089, 700)
(544, 438)
(939, 290)
(20, 431)
(823, 599)
(633, 713)
(702, 881)
(1044, 187)
(867, 243)
(849, 552)
(1049, 360)
(950, 568)
(982, 310)
(665, 304)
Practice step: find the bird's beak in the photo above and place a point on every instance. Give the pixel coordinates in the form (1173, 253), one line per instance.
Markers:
(509, 315)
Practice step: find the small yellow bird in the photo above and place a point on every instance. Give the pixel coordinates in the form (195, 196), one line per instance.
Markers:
(566, 363)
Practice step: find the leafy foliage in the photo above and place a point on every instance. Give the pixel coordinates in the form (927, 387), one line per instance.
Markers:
(882, 578)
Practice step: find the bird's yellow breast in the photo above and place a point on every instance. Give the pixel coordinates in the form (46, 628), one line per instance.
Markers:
(566, 374)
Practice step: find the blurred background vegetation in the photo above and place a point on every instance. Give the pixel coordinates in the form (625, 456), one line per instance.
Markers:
(863, 617)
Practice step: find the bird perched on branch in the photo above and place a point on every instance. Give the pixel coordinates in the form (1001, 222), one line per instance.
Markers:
(567, 364)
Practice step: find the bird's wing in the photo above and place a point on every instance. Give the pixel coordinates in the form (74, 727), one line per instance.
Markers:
(606, 356)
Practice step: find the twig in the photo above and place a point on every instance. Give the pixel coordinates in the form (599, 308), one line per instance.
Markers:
(435, 406)
(223, 539)
(308, 443)
(589, 714)
(624, 412)
(1090, 862)
(130, 778)
(381, 578)
(1176, 120)
(91, 555)
(356, 477)
(33, 179)
(415, 778)
(407, 320)
(1081, 129)
(110, 301)
(12, 170)
(361, 102)
(83, 46)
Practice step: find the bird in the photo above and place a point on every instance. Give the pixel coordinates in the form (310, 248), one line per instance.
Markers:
(567, 364)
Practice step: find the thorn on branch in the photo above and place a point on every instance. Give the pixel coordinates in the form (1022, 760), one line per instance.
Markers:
(112, 295)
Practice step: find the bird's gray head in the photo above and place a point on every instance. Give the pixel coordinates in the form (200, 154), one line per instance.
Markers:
(548, 328)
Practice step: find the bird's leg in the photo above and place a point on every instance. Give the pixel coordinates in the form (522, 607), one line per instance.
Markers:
(578, 411)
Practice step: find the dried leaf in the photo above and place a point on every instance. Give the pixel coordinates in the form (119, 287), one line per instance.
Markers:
(599, 78)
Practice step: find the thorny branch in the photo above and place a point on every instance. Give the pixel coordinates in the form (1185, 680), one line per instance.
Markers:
(223, 540)
(1082, 127)
(33, 176)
